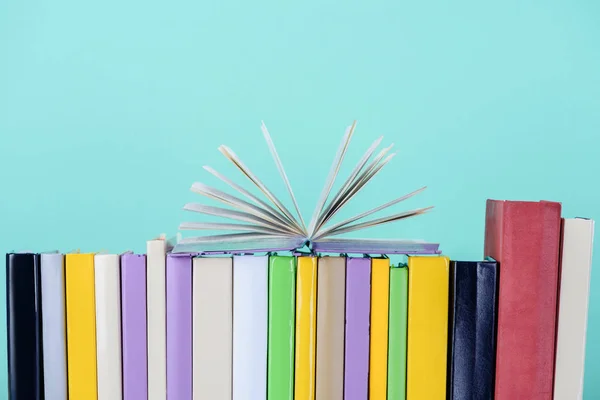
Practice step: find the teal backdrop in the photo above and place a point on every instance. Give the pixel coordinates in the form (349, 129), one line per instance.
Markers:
(109, 110)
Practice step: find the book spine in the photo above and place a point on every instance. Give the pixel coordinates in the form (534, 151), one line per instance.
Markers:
(396, 389)
(358, 303)
(81, 326)
(179, 326)
(134, 335)
(472, 343)
(576, 264)
(524, 238)
(108, 326)
(331, 298)
(280, 353)
(378, 352)
(24, 327)
(54, 326)
(212, 327)
(427, 327)
(305, 335)
(250, 311)
(156, 319)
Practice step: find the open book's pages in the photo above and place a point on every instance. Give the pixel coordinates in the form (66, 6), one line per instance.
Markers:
(267, 225)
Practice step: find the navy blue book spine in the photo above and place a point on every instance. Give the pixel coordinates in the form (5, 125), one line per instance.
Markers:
(24, 327)
(472, 329)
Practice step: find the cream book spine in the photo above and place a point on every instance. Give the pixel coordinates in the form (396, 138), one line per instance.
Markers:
(576, 265)
(53, 326)
(212, 300)
(250, 311)
(156, 252)
(331, 320)
(108, 326)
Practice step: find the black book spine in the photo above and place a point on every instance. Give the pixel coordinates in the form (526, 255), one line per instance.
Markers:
(472, 330)
(24, 327)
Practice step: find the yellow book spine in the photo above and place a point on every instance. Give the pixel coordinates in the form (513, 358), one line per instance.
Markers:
(81, 326)
(378, 355)
(427, 327)
(306, 324)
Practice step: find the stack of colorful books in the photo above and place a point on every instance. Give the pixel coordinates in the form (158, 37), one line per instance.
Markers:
(283, 311)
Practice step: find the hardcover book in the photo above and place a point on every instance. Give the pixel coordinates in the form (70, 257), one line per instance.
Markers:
(108, 326)
(306, 330)
(358, 306)
(156, 253)
(396, 389)
(524, 237)
(212, 300)
(378, 352)
(250, 321)
(179, 326)
(427, 327)
(81, 326)
(331, 304)
(472, 329)
(54, 326)
(24, 327)
(576, 265)
(133, 327)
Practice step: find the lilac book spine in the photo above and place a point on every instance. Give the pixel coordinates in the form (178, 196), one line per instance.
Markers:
(133, 314)
(358, 310)
(179, 326)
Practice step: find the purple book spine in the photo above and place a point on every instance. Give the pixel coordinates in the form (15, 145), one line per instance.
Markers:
(133, 311)
(358, 309)
(179, 326)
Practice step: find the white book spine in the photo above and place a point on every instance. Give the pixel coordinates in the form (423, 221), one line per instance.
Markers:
(577, 243)
(156, 319)
(108, 326)
(250, 313)
(53, 325)
(212, 328)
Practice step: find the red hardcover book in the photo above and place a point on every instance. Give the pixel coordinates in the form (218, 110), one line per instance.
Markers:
(524, 237)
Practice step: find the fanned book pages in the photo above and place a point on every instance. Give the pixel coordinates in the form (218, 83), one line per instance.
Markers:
(261, 225)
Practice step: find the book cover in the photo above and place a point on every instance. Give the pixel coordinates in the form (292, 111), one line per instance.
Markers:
(179, 326)
(524, 237)
(156, 254)
(306, 332)
(576, 264)
(54, 326)
(212, 327)
(269, 226)
(24, 327)
(427, 327)
(81, 326)
(398, 321)
(331, 320)
(281, 341)
(358, 307)
(472, 329)
(108, 326)
(133, 327)
(250, 321)
(378, 351)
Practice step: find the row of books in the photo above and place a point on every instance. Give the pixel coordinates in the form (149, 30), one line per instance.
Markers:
(167, 325)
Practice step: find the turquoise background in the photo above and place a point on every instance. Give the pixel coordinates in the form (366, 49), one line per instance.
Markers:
(109, 110)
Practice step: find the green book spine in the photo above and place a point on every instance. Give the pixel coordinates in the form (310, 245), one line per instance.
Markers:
(398, 312)
(280, 359)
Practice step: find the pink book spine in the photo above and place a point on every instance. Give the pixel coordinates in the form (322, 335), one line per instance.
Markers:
(133, 311)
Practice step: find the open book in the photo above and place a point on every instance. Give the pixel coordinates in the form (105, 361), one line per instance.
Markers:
(261, 225)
